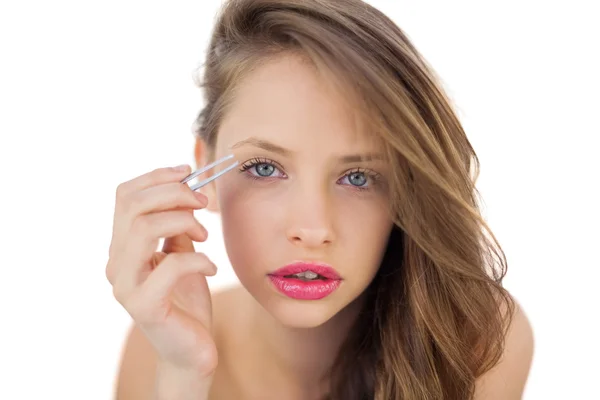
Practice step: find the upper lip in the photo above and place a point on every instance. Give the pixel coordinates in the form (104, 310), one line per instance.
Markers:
(322, 269)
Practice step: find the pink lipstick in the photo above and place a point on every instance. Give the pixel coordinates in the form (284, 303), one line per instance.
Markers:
(306, 281)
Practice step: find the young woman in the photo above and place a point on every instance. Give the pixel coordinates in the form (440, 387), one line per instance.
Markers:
(352, 223)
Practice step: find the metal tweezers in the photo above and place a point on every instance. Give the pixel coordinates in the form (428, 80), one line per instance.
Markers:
(206, 168)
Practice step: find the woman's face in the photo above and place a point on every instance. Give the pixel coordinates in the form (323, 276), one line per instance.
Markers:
(310, 188)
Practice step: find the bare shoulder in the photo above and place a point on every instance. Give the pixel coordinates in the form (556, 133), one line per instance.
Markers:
(136, 375)
(508, 378)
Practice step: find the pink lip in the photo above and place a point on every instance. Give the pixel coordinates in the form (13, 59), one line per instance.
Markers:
(298, 267)
(306, 290)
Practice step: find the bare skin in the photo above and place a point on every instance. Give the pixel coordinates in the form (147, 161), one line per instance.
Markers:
(241, 373)
(253, 342)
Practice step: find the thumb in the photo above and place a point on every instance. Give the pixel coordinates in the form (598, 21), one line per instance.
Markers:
(178, 244)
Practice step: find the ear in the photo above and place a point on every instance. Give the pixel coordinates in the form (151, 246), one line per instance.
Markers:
(203, 156)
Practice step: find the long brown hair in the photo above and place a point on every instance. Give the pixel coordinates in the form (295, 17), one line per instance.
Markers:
(436, 313)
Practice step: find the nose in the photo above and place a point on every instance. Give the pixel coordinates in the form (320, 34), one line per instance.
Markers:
(310, 220)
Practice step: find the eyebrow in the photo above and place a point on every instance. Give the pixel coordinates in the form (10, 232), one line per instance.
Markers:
(274, 148)
(263, 144)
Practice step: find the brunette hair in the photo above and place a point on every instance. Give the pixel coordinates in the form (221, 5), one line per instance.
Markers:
(436, 313)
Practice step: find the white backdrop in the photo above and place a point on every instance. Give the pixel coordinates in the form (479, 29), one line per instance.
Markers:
(93, 93)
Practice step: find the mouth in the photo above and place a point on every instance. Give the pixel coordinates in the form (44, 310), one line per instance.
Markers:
(306, 281)
(307, 271)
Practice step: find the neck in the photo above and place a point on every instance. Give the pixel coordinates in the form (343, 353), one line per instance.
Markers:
(299, 359)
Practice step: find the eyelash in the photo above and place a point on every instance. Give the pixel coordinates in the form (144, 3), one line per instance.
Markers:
(373, 176)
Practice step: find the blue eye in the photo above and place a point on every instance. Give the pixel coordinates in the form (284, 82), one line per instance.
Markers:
(264, 169)
(357, 178)
(361, 179)
(260, 168)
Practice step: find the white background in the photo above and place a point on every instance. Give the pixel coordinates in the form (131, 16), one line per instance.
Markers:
(93, 93)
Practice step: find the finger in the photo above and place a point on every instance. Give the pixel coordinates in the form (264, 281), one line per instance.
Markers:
(135, 255)
(124, 197)
(164, 197)
(150, 297)
(127, 278)
(178, 244)
(165, 224)
(169, 196)
(192, 295)
(153, 178)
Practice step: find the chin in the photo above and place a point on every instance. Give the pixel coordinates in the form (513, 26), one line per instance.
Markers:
(303, 313)
(294, 313)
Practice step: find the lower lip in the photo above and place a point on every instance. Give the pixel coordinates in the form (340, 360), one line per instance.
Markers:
(305, 290)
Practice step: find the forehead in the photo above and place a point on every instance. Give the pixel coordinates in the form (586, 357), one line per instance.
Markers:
(287, 101)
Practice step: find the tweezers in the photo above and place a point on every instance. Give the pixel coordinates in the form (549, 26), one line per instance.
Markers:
(206, 168)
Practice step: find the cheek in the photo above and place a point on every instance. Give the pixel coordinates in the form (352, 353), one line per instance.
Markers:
(365, 227)
(249, 224)
(370, 214)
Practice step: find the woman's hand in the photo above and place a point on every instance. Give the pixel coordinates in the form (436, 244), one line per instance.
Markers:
(165, 292)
